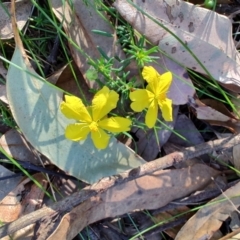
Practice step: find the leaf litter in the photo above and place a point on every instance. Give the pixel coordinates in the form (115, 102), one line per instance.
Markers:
(155, 190)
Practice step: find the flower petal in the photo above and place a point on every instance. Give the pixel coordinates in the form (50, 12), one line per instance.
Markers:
(166, 108)
(115, 124)
(74, 108)
(100, 139)
(77, 131)
(165, 81)
(150, 73)
(151, 116)
(103, 102)
(152, 77)
(141, 99)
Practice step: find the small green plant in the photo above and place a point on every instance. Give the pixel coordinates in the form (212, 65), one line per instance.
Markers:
(141, 55)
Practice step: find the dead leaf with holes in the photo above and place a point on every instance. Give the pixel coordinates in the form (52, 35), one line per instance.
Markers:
(147, 192)
(23, 11)
(206, 33)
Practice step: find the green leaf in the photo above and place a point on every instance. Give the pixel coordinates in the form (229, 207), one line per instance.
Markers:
(103, 33)
(92, 74)
(35, 107)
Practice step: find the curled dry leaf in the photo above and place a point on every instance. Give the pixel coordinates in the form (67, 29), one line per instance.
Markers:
(207, 34)
(217, 116)
(209, 218)
(147, 192)
(23, 11)
(219, 106)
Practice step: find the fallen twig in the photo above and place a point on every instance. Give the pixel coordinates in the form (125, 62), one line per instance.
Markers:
(67, 204)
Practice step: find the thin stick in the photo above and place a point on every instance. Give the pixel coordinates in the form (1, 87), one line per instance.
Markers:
(67, 204)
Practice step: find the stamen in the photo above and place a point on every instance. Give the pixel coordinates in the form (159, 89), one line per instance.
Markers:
(93, 126)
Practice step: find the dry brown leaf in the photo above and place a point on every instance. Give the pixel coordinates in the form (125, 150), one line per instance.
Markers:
(78, 25)
(207, 34)
(23, 11)
(55, 76)
(29, 199)
(16, 146)
(219, 106)
(208, 113)
(209, 218)
(190, 136)
(30, 202)
(147, 192)
(214, 117)
(10, 206)
(8, 184)
(3, 70)
(236, 157)
(3, 94)
(161, 217)
(65, 80)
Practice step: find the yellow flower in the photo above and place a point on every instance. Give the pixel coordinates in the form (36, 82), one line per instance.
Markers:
(153, 96)
(94, 119)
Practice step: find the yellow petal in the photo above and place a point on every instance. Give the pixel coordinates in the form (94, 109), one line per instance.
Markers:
(115, 124)
(100, 139)
(150, 73)
(152, 77)
(74, 108)
(165, 81)
(77, 131)
(141, 99)
(103, 102)
(151, 116)
(166, 108)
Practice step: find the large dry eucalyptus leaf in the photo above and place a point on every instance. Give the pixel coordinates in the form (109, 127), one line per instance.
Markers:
(79, 19)
(147, 192)
(23, 11)
(210, 218)
(35, 107)
(207, 34)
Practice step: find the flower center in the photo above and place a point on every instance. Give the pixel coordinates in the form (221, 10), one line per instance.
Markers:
(93, 126)
(160, 96)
